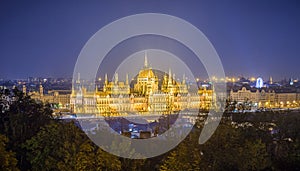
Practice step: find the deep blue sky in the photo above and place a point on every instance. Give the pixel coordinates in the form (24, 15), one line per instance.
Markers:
(259, 38)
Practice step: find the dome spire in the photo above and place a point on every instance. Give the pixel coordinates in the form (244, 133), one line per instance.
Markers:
(170, 76)
(146, 60)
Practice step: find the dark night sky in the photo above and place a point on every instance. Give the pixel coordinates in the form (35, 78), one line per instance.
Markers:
(257, 37)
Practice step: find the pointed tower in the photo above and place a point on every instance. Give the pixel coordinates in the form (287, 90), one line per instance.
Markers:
(174, 79)
(126, 82)
(96, 89)
(145, 60)
(170, 77)
(183, 87)
(116, 78)
(271, 80)
(105, 83)
(105, 80)
(165, 81)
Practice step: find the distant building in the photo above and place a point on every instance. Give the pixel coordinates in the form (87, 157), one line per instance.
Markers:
(60, 97)
(265, 97)
(206, 97)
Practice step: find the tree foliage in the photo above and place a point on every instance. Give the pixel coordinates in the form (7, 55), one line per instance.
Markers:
(32, 140)
(7, 158)
(62, 146)
(21, 120)
(226, 150)
(187, 156)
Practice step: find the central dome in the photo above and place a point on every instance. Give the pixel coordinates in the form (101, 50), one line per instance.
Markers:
(146, 73)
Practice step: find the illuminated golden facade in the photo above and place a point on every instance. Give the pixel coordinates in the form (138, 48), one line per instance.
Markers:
(206, 97)
(116, 87)
(147, 81)
(145, 97)
(60, 97)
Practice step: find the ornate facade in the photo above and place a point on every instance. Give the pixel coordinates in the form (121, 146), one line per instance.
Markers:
(147, 81)
(60, 97)
(146, 96)
(265, 97)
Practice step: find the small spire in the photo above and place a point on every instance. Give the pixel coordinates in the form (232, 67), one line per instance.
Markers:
(106, 81)
(127, 82)
(170, 77)
(96, 88)
(183, 79)
(174, 79)
(165, 77)
(146, 60)
(116, 78)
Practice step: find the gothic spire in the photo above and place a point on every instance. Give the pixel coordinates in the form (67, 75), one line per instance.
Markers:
(116, 78)
(170, 77)
(105, 81)
(146, 60)
(127, 82)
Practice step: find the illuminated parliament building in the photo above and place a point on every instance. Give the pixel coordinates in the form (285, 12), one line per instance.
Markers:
(148, 95)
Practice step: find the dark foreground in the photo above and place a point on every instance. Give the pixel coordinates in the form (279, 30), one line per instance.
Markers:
(31, 139)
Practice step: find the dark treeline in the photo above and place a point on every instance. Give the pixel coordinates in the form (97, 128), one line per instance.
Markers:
(31, 139)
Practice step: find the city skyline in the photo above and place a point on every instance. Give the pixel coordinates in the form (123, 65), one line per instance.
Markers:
(149, 85)
(252, 39)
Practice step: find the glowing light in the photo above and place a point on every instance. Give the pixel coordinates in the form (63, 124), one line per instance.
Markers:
(259, 83)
